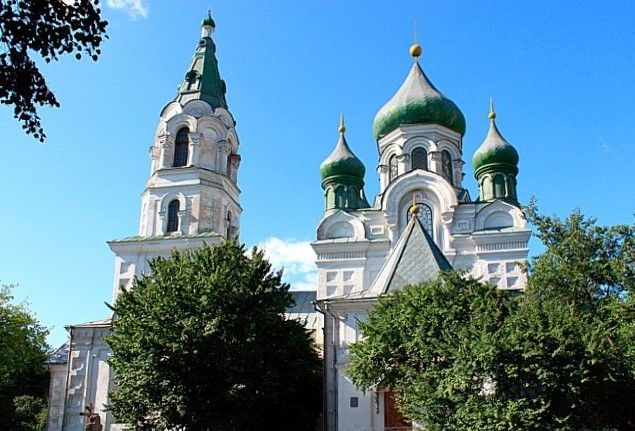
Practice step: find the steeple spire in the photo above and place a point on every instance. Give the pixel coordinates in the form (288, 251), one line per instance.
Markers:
(415, 48)
(202, 80)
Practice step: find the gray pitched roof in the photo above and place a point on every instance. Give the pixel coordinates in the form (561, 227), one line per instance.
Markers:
(59, 356)
(303, 301)
(415, 259)
(304, 309)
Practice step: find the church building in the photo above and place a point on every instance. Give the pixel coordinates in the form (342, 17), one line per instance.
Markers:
(422, 222)
(191, 198)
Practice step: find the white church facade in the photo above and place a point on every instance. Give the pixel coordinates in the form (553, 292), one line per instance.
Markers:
(423, 221)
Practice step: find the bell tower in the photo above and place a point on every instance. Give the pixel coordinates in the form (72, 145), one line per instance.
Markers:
(191, 197)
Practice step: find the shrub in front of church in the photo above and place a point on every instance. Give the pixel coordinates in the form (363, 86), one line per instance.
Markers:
(202, 343)
(462, 356)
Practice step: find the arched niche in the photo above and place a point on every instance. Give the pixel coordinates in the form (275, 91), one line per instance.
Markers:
(340, 230)
(179, 121)
(500, 214)
(198, 108)
(418, 141)
(337, 222)
(406, 184)
(224, 115)
(498, 220)
(170, 110)
(449, 146)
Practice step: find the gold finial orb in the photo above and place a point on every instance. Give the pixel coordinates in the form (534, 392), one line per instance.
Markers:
(415, 50)
(414, 209)
(342, 127)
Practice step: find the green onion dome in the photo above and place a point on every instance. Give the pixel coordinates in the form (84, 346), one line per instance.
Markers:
(342, 161)
(495, 152)
(418, 102)
(208, 21)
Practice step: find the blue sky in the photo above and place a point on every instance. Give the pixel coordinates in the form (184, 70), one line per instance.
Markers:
(560, 73)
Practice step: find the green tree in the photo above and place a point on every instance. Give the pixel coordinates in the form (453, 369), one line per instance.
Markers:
(23, 350)
(559, 357)
(46, 29)
(201, 343)
(31, 412)
(435, 345)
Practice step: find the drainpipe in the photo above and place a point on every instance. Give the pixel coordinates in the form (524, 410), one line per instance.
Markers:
(322, 307)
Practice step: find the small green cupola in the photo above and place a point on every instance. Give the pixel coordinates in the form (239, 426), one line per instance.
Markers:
(202, 80)
(495, 165)
(208, 21)
(418, 102)
(342, 176)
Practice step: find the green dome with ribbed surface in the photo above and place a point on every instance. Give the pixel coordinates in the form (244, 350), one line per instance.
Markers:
(495, 152)
(418, 102)
(342, 161)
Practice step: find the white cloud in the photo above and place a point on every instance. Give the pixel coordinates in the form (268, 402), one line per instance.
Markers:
(296, 258)
(135, 8)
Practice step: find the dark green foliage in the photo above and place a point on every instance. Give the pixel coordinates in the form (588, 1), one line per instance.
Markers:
(560, 357)
(573, 339)
(48, 29)
(202, 343)
(436, 345)
(31, 412)
(23, 377)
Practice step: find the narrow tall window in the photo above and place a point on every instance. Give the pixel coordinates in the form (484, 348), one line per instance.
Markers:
(419, 159)
(173, 216)
(228, 221)
(499, 186)
(446, 166)
(181, 148)
(229, 165)
(340, 197)
(392, 167)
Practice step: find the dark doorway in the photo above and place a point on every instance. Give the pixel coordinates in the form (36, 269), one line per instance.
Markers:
(394, 420)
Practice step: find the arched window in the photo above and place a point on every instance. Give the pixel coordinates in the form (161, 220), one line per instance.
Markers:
(419, 159)
(181, 148)
(173, 216)
(446, 166)
(424, 215)
(392, 167)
